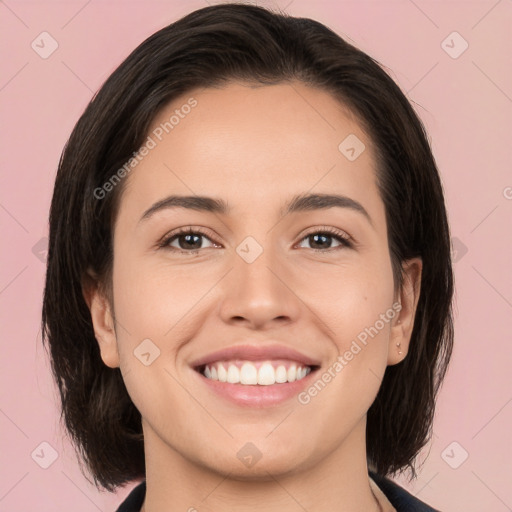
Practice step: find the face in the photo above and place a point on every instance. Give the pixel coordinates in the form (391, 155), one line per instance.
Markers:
(267, 275)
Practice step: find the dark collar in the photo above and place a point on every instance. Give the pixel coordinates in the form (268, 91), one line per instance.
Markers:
(397, 496)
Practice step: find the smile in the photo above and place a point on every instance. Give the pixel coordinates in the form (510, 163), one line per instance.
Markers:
(252, 373)
(256, 384)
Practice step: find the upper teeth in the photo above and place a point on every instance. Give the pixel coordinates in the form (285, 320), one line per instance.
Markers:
(249, 374)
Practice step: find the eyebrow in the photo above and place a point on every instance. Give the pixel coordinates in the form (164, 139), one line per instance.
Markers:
(299, 203)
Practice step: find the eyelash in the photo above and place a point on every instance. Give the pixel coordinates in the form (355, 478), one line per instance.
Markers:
(345, 240)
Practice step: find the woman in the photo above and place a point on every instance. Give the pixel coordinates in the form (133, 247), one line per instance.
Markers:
(248, 293)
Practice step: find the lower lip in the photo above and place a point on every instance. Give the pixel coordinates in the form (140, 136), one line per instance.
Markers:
(256, 395)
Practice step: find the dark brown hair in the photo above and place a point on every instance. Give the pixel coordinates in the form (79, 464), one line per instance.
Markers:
(210, 47)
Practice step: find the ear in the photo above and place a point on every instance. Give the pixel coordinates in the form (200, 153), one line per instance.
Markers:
(102, 320)
(403, 322)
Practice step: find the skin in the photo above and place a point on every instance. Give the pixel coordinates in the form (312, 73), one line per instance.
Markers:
(255, 147)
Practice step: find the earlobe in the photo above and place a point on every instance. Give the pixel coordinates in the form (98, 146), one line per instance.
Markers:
(103, 323)
(403, 323)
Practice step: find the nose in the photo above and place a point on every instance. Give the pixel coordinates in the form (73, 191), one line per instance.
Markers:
(259, 294)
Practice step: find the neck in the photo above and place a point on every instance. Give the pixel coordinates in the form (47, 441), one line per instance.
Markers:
(338, 481)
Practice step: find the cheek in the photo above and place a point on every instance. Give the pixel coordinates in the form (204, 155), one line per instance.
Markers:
(149, 297)
(359, 317)
(158, 309)
(352, 297)
(358, 313)
(148, 309)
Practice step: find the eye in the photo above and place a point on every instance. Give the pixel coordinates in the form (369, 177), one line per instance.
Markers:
(189, 240)
(185, 240)
(321, 239)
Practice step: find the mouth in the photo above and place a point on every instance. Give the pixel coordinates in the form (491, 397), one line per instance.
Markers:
(256, 373)
(256, 384)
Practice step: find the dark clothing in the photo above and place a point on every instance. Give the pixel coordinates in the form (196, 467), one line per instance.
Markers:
(397, 496)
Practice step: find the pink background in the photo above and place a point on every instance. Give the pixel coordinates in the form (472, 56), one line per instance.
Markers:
(466, 104)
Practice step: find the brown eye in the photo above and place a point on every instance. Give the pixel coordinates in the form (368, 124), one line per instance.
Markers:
(323, 240)
(186, 241)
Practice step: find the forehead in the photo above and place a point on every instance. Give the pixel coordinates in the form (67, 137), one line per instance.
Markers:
(252, 145)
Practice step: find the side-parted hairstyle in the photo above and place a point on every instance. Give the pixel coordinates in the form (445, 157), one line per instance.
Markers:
(207, 48)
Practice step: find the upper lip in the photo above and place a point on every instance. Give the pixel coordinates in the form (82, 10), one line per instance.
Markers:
(255, 353)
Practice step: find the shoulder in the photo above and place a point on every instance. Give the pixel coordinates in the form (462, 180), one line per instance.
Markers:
(134, 500)
(399, 497)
